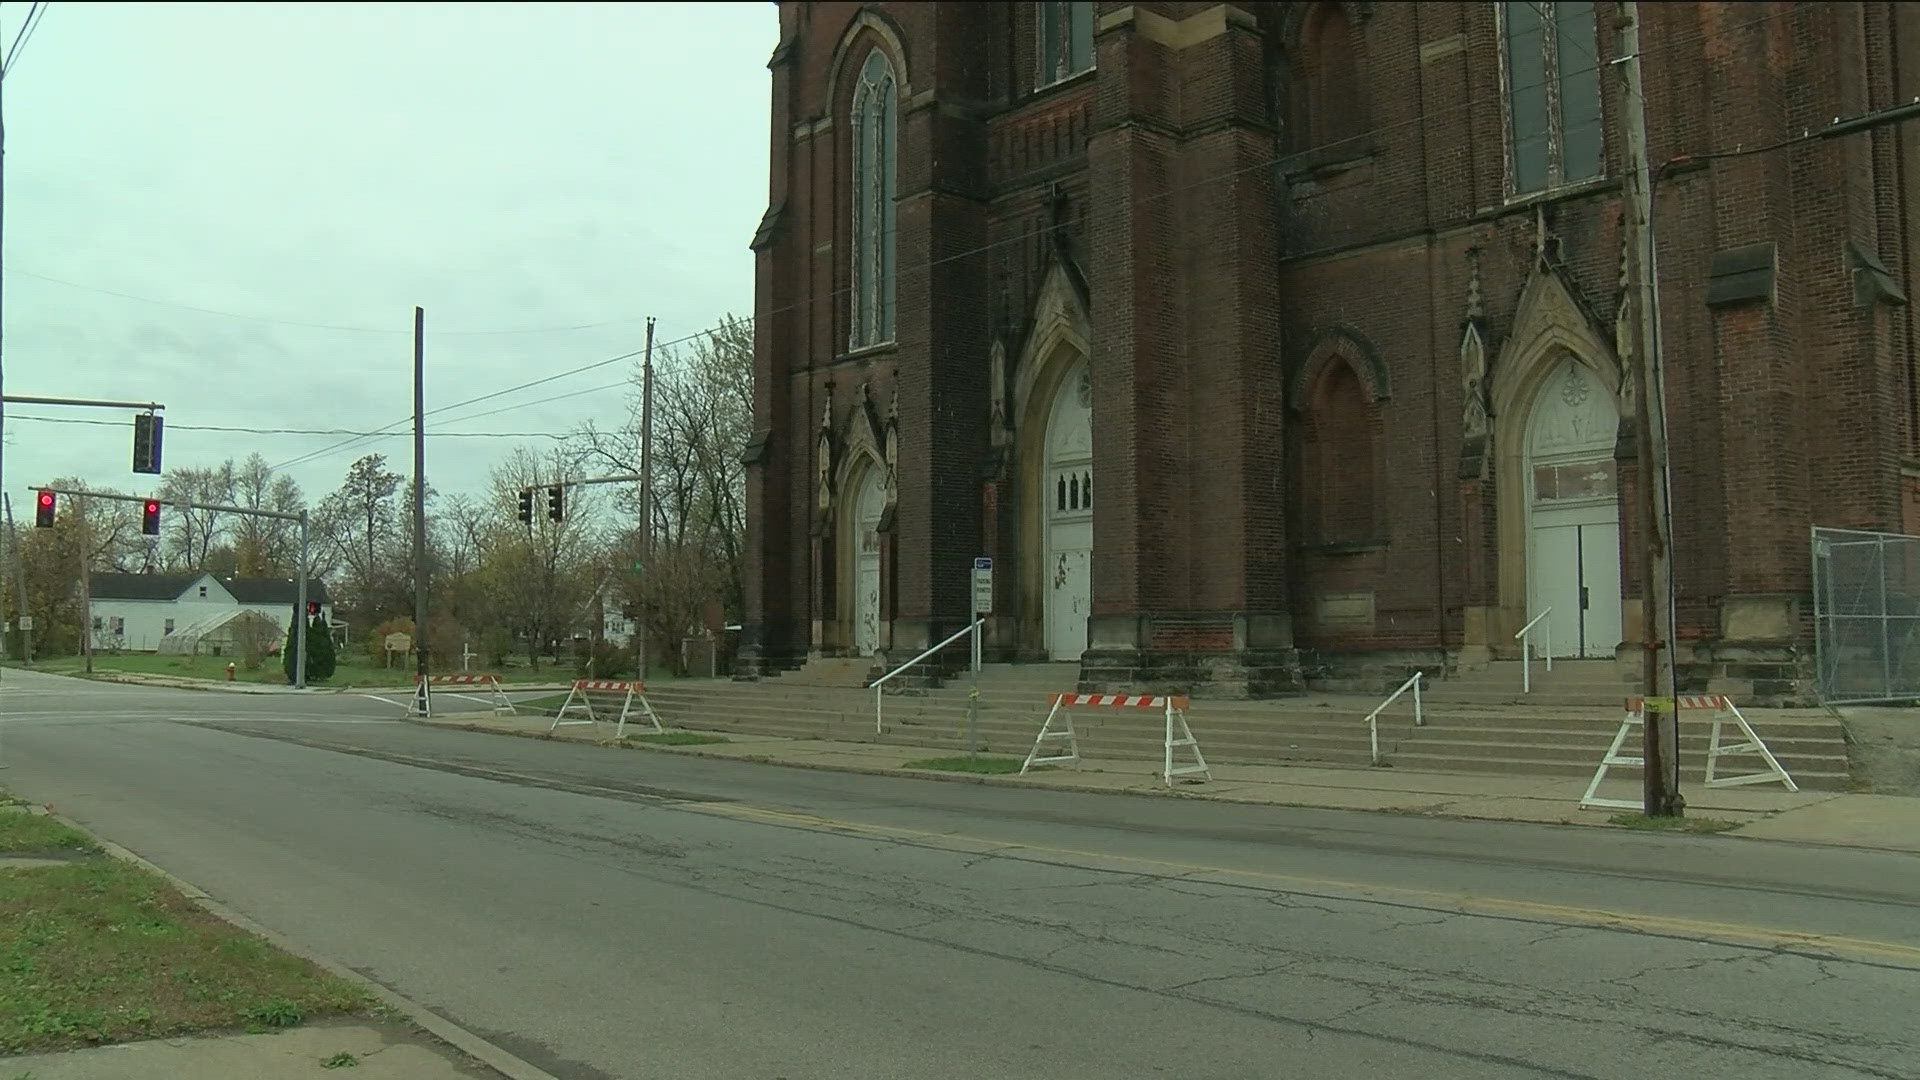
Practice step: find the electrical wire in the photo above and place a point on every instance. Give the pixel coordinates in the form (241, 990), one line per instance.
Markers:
(389, 428)
(28, 25)
(294, 431)
(1424, 116)
(313, 325)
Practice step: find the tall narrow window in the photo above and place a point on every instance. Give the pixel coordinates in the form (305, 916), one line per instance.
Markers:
(874, 144)
(1343, 458)
(1327, 102)
(1553, 93)
(1066, 41)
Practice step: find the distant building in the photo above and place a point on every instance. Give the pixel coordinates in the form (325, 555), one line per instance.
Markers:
(189, 612)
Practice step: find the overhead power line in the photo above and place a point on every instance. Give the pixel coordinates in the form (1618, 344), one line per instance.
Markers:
(295, 431)
(832, 294)
(313, 325)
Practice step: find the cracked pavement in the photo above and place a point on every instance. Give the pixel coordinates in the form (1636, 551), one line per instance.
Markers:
(623, 914)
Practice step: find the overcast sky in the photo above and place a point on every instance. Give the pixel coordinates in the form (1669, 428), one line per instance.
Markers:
(518, 167)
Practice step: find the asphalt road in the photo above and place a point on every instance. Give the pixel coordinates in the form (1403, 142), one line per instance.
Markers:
(637, 915)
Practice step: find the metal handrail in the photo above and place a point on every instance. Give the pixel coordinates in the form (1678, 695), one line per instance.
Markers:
(1373, 718)
(878, 729)
(1526, 648)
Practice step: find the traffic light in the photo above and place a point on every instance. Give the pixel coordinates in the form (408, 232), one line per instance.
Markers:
(146, 443)
(526, 506)
(556, 503)
(43, 511)
(313, 608)
(150, 518)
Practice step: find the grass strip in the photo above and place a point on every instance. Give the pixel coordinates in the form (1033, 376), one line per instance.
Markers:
(99, 951)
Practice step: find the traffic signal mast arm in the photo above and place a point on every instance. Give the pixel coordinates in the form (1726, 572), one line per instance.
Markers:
(83, 494)
(630, 478)
(150, 406)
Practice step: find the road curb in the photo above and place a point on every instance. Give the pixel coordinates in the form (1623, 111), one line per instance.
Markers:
(968, 778)
(1092, 789)
(488, 1054)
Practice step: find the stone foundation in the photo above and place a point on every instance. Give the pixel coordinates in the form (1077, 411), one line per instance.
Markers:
(1763, 674)
(1373, 672)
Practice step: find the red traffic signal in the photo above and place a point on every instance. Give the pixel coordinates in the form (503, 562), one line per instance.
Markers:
(43, 511)
(150, 518)
(313, 608)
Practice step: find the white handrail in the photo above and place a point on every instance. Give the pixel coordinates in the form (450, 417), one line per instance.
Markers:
(878, 728)
(1373, 718)
(1526, 648)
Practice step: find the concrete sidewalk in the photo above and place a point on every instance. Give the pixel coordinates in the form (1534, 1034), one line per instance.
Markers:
(182, 682)
(373, 1051)
(1764, 811)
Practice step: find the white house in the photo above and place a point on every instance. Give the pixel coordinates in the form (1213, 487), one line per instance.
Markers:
(176, 612)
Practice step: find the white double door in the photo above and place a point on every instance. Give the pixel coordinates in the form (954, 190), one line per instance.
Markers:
(1574, 568)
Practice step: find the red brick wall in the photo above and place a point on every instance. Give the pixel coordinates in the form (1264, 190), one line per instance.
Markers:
(1214, 261)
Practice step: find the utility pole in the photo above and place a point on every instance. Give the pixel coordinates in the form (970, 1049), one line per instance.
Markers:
(646, 499)
(21, 606)
(86, 582)
(1660, 733)
(300, 620)
(19, 585)
(420, 509)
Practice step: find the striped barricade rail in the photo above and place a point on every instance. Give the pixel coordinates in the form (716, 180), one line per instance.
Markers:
(1725, 715)
(1178, 734)
(580, 698)
(498, 695)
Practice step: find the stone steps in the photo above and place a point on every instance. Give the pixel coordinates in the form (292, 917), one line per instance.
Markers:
(1542, 736)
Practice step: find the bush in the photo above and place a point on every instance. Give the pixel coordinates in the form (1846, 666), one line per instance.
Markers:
(321, 660)
(604, 660)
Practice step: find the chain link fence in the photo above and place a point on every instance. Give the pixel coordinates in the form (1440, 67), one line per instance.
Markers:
(1866, 611)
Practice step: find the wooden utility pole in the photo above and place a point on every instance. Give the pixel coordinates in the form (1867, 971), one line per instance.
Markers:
(19, 585)
(646, 500)
(1661, 731)
(419, 507)
(86, 582)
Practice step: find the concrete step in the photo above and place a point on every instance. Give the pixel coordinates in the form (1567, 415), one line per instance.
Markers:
(832, 671)
(1793, 756)
(1690, 773)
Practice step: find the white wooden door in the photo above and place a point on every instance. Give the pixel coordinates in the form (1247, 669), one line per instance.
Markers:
(1600, 588)
(1573, 547)
(866, 577)
(1067, 508)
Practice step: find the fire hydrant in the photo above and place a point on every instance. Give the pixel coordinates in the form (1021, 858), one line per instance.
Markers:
(229, 671)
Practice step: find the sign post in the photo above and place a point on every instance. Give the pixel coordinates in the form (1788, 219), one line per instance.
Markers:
(982, 607)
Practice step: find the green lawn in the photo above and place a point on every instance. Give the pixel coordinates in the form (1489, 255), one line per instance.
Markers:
(23, 833)
(349, 671)
(99, 951)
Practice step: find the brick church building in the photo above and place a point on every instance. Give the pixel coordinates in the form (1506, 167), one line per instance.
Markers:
(1325, 303)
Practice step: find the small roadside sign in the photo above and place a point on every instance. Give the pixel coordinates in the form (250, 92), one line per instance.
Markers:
(25, 621)
(983, 586)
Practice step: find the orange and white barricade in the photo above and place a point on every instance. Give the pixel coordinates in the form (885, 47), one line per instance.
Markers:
(1726, 718)
(500, 702)
(580, 698)
(1178, 734)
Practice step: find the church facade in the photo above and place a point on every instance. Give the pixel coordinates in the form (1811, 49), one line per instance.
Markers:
(1271, 345)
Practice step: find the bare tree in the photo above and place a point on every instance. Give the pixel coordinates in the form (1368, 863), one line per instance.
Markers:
(265, 546)
(360, 526)
(538, 577)
(703, 419)
(192, 534)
